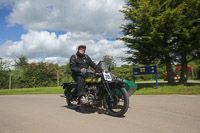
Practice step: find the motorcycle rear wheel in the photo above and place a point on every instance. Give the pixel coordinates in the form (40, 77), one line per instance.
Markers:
(119, 106)
(70, 100)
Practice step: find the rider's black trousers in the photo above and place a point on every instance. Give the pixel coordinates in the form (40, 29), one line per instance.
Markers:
(80, 85)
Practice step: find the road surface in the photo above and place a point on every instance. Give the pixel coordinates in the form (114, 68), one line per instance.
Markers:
(147, 114)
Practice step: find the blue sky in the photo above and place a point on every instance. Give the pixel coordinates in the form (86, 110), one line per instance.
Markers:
(52, 30)
(14, 32)
(6, 32)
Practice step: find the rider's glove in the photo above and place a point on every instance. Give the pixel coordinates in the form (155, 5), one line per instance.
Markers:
(85, 70)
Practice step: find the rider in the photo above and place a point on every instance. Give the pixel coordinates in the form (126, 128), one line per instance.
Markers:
(79, 63)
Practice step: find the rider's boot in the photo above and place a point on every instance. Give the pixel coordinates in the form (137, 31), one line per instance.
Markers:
(83, 100)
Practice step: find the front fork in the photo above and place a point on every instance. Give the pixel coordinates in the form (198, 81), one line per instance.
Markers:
(107, 88)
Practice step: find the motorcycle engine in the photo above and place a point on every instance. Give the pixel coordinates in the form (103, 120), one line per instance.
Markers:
(91, 94)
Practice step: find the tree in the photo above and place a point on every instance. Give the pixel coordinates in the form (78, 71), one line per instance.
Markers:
(124, 72)
(110, 60)
(188, 34)
(21, 62)
(195, 69)
(38, 75)
(4, 73)
(66, 73)
(152, 30)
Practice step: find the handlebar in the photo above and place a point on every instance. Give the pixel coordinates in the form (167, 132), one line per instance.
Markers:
(90, 71)
(95, 72)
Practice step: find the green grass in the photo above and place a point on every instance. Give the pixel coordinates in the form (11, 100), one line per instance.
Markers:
(41, 90)
(164, 88)
(143, 89)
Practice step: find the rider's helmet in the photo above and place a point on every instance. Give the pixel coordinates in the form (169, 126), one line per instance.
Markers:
(82, 46)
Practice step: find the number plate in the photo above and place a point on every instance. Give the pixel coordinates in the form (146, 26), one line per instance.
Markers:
(107, 76)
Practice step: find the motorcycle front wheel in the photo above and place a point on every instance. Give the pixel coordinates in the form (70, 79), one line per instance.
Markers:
(120, 103)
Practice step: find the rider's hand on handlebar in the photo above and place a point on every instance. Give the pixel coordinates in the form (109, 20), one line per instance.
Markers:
(83, 70)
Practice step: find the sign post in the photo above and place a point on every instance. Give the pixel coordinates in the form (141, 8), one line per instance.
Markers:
(146, 70)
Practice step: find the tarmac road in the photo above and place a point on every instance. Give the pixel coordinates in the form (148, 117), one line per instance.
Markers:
(147, 114)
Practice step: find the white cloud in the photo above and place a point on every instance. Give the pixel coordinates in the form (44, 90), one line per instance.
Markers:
(83, 21)
(46, 46)
(91, 16)
(54, 60)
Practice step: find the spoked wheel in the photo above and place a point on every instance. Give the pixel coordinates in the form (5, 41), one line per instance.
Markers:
(120, 103)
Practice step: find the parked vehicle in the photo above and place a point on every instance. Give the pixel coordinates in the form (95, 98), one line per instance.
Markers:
(176, 72)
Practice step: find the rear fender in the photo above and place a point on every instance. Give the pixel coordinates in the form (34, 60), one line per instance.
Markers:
(69, 85)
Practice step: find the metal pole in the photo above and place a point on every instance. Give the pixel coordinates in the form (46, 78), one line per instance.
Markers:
(57, 78)
(10, 80)
(133, 76)
(156, 80)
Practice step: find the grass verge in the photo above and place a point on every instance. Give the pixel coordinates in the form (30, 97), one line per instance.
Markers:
(40, 90)
(164, 88)
(143, 89)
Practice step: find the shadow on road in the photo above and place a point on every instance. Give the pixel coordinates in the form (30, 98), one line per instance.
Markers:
(86, 109)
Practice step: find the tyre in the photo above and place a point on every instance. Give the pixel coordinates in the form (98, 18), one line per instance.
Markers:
(70, 98)
(120, 103)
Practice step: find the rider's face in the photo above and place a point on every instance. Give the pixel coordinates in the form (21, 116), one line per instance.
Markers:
(81, 51)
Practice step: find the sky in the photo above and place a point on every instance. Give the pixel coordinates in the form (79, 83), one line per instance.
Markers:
(51, 30)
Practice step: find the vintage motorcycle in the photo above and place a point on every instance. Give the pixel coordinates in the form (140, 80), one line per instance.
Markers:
(103, 89)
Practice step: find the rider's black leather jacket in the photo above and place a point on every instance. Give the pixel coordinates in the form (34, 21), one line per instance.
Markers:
(79, 61)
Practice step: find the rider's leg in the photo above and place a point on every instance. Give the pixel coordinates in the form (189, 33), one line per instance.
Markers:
(81, 86)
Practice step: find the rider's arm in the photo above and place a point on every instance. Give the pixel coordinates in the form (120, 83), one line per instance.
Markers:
(73, 65)
(91, 63)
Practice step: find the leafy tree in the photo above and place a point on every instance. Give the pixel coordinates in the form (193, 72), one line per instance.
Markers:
(21, 62)
(38, 75)
(109, 59)
(195, 68)
(124, 72)
(18, 78)
(66, 73)
(188, 34)
(4, 73)
(153, 31)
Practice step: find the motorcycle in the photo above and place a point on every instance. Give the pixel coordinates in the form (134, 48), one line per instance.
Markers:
(102, 89)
